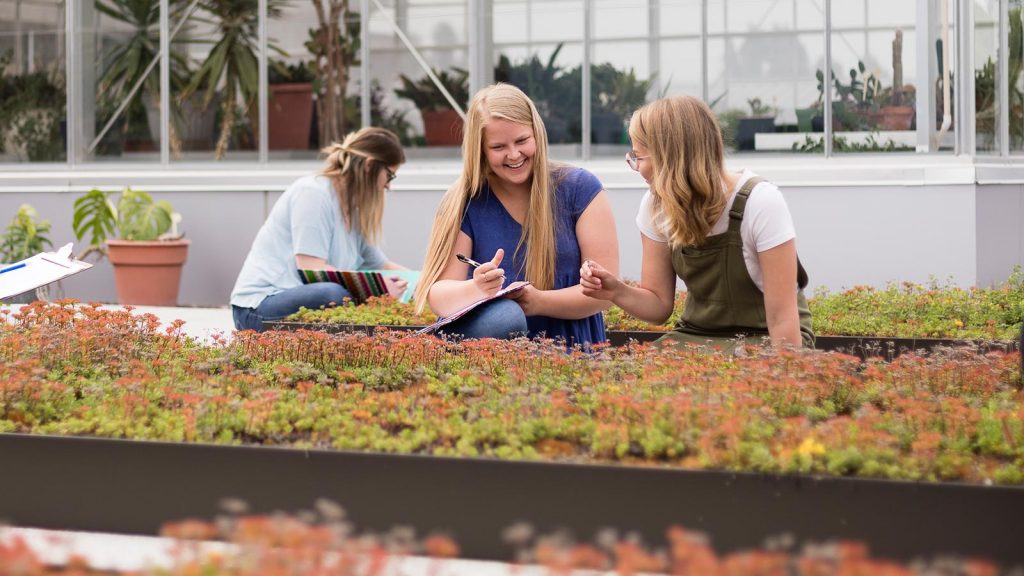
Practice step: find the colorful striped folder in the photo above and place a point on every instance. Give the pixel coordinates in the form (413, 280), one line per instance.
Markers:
(363, 284)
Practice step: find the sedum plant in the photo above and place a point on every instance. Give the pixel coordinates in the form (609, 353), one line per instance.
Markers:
(68, 369)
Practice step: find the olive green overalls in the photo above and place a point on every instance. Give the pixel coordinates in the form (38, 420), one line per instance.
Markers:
(723, 305)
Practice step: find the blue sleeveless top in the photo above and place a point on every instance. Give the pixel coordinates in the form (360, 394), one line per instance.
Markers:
(490, 227)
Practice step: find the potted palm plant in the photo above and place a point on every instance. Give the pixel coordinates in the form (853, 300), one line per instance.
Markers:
(123, 64)
(442, 126)
(140, 238)
(232, 63)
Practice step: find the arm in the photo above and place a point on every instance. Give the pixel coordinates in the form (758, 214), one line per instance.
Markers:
(778, 266)
(307, 262)
(651, 301)
(452, 291)
(595, 232)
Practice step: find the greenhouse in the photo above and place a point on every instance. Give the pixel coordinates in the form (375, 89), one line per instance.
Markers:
(894, 130)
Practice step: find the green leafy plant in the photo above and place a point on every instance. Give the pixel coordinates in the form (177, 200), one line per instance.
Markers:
(31, 108)
(283, 73)
(126, 58)
(232, 64)
(425, 95)
(25, 236)
(134, 216)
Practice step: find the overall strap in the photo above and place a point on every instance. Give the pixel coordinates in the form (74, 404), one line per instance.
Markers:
(740, 203)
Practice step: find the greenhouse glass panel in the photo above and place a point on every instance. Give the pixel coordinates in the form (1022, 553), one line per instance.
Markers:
(762, 79)
(33, 108)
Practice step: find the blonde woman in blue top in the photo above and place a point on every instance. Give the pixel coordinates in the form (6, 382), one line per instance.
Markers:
(524, 218)
(330, 221)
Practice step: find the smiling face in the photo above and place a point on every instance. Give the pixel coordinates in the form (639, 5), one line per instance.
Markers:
(509, 148)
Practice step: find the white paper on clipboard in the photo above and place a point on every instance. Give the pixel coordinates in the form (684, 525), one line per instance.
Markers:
(39, 270)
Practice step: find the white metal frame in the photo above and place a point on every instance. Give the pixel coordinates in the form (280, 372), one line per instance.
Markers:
(480, 45)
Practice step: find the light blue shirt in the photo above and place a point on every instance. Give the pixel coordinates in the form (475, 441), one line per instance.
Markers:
(306, 220)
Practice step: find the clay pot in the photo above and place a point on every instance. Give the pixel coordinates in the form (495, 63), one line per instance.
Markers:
(147, 273)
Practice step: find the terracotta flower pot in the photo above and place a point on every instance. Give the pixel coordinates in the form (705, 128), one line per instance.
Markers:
(289, 116)
(442, 127)
(896, 117)
(147, 273)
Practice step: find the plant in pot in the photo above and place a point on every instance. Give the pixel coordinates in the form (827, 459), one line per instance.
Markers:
(25, 236)
(124, 61)
(553, 92)
(760, 119)
(140, 238)
(442, 126)
(290, 110)
(232, 64)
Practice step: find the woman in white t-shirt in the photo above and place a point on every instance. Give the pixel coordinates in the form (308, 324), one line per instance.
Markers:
(728, 236)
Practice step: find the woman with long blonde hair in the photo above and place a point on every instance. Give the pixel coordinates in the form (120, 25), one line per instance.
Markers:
(522, 218)
(330, 221)
(728, 235)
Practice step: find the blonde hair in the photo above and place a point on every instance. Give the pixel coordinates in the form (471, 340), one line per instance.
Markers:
(360, 199)
(684, 142)
(496, 102)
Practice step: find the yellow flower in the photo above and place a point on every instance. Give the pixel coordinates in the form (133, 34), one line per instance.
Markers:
(958, 323)
(810, 448)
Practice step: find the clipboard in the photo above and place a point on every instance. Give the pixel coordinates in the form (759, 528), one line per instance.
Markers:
(39, 270)
(513, 287)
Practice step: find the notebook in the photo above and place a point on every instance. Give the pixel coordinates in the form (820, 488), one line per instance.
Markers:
(39, 270)
(513, 287)
(363, 284)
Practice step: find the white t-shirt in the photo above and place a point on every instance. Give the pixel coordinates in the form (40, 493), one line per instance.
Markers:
(766, 222)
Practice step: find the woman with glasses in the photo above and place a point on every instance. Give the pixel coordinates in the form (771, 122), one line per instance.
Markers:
(330, 221)
(728, 235)
(523, 218)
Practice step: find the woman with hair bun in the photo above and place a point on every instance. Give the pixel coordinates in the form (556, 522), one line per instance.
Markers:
(728, 235)
(330, 221)
(523, 218)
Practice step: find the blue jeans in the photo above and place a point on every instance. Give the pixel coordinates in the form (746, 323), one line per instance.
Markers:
(501, 318)
(282, 304)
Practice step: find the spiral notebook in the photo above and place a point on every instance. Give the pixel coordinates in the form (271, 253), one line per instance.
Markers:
(363, 284)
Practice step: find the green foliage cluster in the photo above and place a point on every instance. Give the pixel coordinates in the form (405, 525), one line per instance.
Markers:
(425, 95)
(31, 108)
(135, 216)
(376, 311)
(906, 310)
(69, 369)
(25, 236)
(557, 93)
(911, 310)
(841, 144)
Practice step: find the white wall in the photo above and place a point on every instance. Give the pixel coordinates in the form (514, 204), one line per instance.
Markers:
(862, 220)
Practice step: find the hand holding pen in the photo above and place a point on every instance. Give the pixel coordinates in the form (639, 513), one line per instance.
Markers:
(487, 277)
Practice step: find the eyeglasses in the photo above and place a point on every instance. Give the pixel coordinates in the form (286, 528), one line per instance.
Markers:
(391, 174)
(633, 160)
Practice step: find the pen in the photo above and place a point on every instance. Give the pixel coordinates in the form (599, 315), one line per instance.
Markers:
(466, 260)
(12, 267)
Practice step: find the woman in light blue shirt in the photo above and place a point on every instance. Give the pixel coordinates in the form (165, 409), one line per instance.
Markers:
(331, 221)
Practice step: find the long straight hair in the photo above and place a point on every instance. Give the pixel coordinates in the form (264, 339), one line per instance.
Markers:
(496, 102)
(355, 183)
(684, 141)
